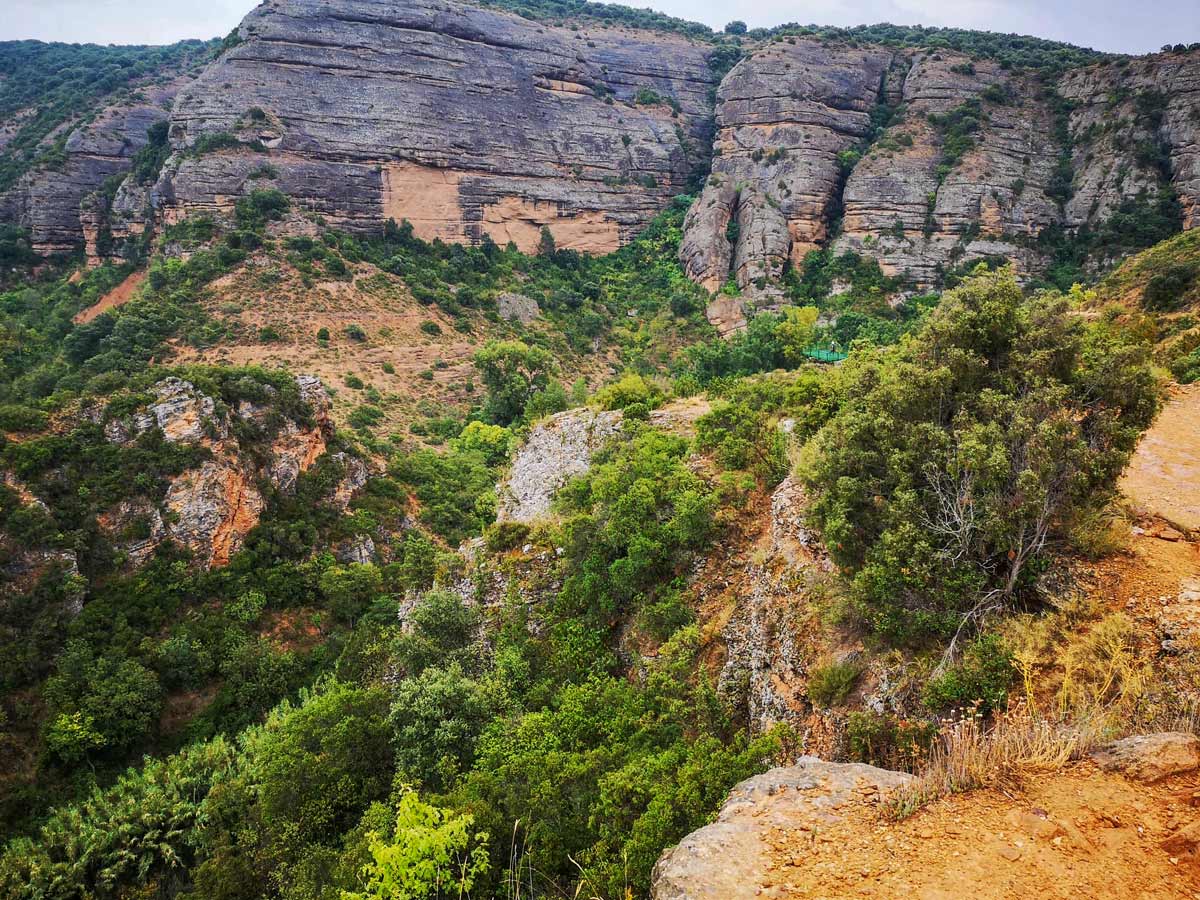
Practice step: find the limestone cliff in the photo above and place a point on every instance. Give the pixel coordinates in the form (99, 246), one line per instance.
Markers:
(963, 159)
(465, 121)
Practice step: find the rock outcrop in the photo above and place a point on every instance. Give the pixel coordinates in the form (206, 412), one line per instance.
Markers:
(471, 122)
(816, 830)
(975, 162)
(784, 115)
(49, 202)
(921, 215)
(729, 858)
(557, 450)
(464, 121)
(209, 509)
(1151, 757)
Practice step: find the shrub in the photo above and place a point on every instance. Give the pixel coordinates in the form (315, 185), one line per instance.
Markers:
(888, 741)
(1164, 292)
(355, 333)
(631, 388)
(830, 684)
(22, 418)
(506, 536)
(956, 457)
(978, 682)
(431, 328)
(513, 372)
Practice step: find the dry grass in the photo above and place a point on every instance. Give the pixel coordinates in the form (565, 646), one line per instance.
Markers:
(969, 754)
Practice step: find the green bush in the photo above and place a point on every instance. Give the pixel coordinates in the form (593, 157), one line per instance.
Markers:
(955, 457)
(1164, 292)
(830, 684)
(888, 741)
(978, 682)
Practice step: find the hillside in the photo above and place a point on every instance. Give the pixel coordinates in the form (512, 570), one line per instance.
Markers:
(541, 448)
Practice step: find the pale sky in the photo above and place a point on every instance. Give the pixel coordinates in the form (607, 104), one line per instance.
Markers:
(1114, 25)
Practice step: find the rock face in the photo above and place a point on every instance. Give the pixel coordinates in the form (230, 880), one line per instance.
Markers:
(471, 122)
(727, 859)
(765, 651)
(48, 201)
(792, 115)
(557, 450)
(919, 220)
(783, 114)
(211, 508)
(464, 121)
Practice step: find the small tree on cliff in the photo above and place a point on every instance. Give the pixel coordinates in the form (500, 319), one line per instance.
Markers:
(957, 457)
(546, 246)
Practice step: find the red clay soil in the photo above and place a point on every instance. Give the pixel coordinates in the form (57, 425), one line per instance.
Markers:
(1077, 833)
(121, 294)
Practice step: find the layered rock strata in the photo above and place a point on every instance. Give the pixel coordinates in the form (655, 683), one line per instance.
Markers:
(464, 121)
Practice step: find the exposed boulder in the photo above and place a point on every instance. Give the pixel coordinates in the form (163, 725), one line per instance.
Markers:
(517, 307)
(557, 449)
(727, 859)
(186, 415)
(1151, 757)
(212, 509)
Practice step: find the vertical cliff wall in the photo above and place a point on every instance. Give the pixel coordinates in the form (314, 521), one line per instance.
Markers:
(929, 160)
(464, 121)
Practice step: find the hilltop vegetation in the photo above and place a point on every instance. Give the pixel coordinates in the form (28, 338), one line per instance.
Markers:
(46, 90)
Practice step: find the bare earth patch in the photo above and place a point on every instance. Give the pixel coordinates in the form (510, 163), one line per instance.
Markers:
(118, 296)
(1071, 834)
(1163, 479)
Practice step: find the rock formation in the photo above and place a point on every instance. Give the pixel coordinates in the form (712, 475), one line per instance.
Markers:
(464, 121)
(471, 122)
(211, 508)
(1037, 153)
(48, 201)
(558, 449)
(784, 115)
(729, 858)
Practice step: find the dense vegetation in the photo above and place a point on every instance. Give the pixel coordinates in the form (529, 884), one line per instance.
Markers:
(55, 87)
(958, 456)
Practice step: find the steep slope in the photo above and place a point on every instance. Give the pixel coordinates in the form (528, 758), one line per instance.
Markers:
(75, 115)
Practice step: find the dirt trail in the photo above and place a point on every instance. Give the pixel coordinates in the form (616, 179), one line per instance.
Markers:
(118, 296)
(1163, 479)
(1072, 834)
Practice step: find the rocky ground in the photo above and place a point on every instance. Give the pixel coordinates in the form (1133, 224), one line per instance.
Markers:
(1164, 478)
(821, 830)
(1124, 822)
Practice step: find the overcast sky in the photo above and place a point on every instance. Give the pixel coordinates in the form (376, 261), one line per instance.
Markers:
(1131, 26)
